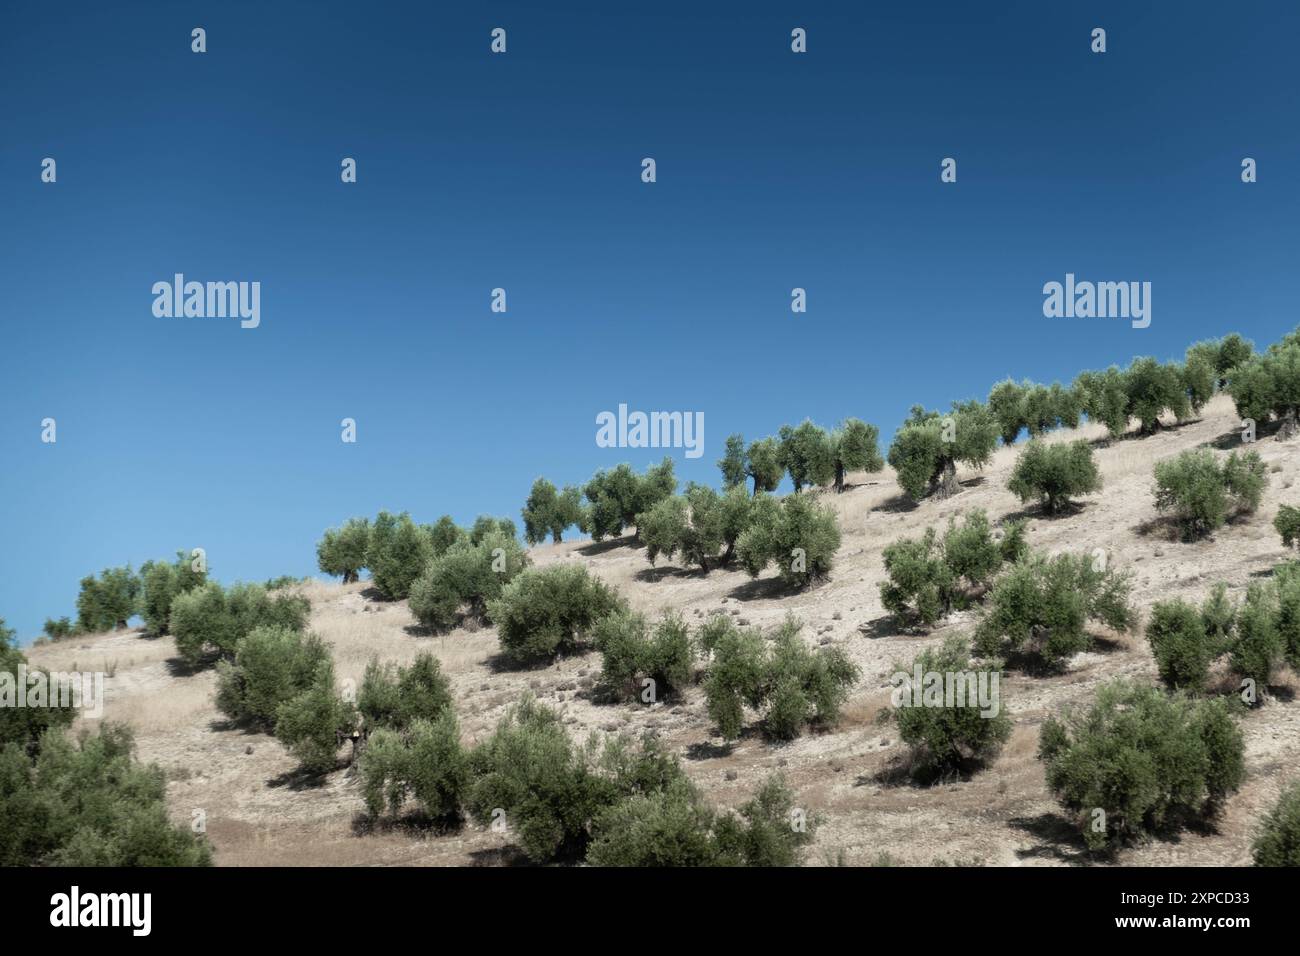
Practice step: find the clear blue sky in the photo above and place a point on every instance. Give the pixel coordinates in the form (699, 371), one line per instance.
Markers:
(522, 170)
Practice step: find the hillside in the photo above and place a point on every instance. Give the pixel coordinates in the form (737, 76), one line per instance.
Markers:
(259, 812)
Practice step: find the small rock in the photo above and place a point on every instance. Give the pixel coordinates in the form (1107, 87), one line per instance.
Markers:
(743, 621)
(484, 686)
(732, 775)
(837, 616)
(248, 749)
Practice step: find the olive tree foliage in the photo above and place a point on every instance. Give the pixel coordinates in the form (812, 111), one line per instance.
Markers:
(57, 630)
(1200, 492)
(1147, 760)
(550, 512)
(550, 610)
(547, 789)
(927, 448)
(1154, 388)
(87, 802)
(854, 446)
(675, 826)
(24, 727)
(210, 620)
(108, 602)
(399, 551)
(1277, 840)
(696, 525)
(412, 740)
(652, 662)
(426, 763)
(1268, 386)
(789, 684)
(1222, 355)
(1287, 524)
(271, 665)
(796, 533)
(464, 579)
(161, 582)
(1039, 610)
(929, 576)
(1006, 403)
(311, 723)
(1103, 396)
(957, 735)
(805, 452)
(444, 533)
(1054, 473)
(341, 552)
(616, 497)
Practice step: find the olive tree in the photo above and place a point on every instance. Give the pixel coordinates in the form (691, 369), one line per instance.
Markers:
(341, 552)
(926, 450)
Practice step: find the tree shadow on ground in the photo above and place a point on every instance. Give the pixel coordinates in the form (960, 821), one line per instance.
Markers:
(609, 544)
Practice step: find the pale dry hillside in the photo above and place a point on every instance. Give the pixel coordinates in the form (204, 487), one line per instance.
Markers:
(259, 812)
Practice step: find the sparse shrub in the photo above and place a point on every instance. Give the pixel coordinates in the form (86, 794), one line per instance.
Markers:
(394, 697)
(782, 677)
(920, 581)
(551, 790)
(1258, 646)
(399, 551)
(956, 737)
(1219, 617)
(1277, 842)
(341, 552)
(676, 827)
(1182, 648)
(271, 665)
(88, 803)
(58, 630)
(926, 450)
(1055, 473)
(548, 511)
(310, 724)
(467, 577)
(1039, 609)
(1287, 524)
(545, 611)
(799, 534)
(1145, 759)
(926, 574)
(1198, 491)
(634, 652)
(426, 763)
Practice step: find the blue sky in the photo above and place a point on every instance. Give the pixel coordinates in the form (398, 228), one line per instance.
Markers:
(522, 171)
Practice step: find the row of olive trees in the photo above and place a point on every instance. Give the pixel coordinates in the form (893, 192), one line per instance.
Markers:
(930, 444)
(811, 455)
(108, 601)
(611, 501)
